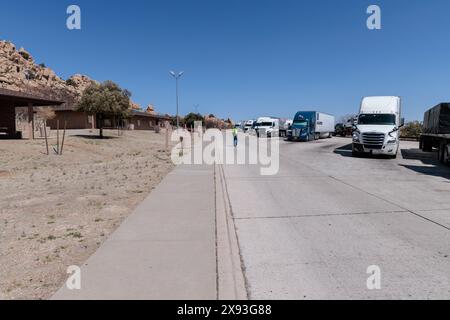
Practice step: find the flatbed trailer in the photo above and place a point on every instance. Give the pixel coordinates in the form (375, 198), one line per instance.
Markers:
(437, 132)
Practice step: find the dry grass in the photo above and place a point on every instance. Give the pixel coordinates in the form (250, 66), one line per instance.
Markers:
(55, 211)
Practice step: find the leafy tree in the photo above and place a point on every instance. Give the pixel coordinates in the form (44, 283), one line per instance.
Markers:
(105, 100)
(191, 118)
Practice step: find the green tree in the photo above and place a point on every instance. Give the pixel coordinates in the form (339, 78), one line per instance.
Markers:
(105, 100)
(190, 119)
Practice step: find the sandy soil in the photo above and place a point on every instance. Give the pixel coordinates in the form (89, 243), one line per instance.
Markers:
(55, 211)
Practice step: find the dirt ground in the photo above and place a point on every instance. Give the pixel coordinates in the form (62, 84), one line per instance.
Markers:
(55, 211)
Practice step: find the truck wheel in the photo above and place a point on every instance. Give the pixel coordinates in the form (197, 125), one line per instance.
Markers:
(355, 153)
(440, 153)
(446, 155)
(427, 145)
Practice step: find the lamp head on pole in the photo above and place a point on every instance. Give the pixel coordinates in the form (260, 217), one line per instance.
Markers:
(176, 75)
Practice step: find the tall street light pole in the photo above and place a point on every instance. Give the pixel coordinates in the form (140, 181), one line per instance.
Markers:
(177, 76)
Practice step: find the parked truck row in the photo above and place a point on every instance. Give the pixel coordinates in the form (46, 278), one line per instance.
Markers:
(306, 126)
(266, 126)
(375, 130)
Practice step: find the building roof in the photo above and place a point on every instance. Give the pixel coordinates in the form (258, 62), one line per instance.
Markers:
(10, 98)
(150, 115)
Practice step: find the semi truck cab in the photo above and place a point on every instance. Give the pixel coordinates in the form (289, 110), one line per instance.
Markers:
(311, 125)
(248, 125)
(301, 129)
(378, 127)
(268, 127)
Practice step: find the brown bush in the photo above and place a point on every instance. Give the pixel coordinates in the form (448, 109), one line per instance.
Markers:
(45, 113)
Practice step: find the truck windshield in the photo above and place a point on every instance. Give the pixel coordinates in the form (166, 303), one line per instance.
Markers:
(266, 124)
(380, 119)
(301, 123)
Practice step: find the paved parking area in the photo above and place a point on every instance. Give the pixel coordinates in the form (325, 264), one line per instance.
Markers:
(312, 230)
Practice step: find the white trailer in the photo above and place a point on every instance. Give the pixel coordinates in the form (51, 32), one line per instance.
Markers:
(325, 125)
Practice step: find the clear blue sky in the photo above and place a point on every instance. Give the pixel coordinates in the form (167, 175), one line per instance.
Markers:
(245, 58)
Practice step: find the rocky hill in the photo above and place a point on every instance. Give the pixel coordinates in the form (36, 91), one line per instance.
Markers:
(19, 72)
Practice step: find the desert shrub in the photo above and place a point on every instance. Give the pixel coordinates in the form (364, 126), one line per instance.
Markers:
(411, 129)
(24, 55)
(71, 82)
(45, 113)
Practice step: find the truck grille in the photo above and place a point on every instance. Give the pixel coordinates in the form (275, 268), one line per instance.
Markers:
(373, 140)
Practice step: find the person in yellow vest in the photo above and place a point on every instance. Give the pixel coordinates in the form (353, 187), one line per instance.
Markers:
(235, 136)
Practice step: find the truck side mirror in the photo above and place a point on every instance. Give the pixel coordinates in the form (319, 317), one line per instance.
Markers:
(402, 122)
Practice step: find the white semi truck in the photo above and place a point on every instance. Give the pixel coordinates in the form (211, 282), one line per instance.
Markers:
(378, 127)
(267, 127)
(248, 125)
(285, 126)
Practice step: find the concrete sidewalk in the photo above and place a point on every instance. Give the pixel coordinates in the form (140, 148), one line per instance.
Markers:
(166, 249)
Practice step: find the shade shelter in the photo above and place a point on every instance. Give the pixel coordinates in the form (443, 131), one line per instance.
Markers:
(10, 100)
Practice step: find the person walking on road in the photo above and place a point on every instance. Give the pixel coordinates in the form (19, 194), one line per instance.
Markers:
(235, 136)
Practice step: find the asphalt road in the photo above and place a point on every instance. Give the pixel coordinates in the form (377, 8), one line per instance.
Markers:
(312, 230)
